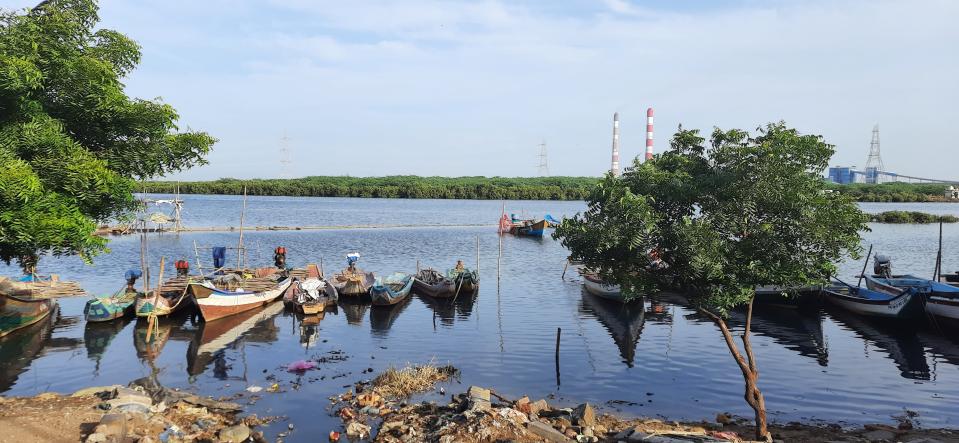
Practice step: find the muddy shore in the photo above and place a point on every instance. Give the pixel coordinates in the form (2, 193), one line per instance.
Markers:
(390, 408)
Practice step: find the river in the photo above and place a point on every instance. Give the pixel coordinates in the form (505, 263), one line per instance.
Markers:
(659, 359)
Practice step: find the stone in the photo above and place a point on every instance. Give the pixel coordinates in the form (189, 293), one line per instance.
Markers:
(357, 430)
(91, 391)
(234, 434)
(599, 430)
(583, 415)
(96, 437)
(47, 396)
(536, 407)
(479, 398)
(113, 427)
(212, 404)
(522, 405)
(546, 431)
(570, 433)
(129, 400)
(880, 435)
(513, 415)
(723, 418)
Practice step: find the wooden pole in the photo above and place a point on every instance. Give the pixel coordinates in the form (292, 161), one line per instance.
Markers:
(938, 276)
(559, 332)
(866, 263)
(417, 267)
(322, 274)
(239, 245)
(196, 252)
(151, 322)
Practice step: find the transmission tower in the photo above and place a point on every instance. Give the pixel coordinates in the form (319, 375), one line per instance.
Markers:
(875, 160)
(285, 157)
(543, 162)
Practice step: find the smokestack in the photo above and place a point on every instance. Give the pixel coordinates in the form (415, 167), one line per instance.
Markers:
(649, 134)
(615, 168)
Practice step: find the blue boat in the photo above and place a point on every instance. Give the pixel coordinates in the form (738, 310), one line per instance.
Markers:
(899, 304)
(391, 289)
(528, 228)
(939, 299)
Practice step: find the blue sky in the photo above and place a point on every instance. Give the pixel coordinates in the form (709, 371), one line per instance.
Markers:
(471, 88)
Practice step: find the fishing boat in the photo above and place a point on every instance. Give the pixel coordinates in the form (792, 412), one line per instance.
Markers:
(864, 301)
(391, 289)
(596, 286)
(19, 312)
(465, 279)
(353, 281)
(216, 303)
(312, 295)
(35, 286)
(940, 299)
(551, 222)
(528, 228)
(433, 283)
(116, 306)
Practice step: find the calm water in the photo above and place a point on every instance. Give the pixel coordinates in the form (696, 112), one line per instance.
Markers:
(656, 358)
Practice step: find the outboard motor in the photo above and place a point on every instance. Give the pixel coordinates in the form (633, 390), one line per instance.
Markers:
(131, 276)
(279, 257)
(182, 268)
(882, 266)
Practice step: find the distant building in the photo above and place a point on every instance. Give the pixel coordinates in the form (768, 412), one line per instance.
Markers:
(845, 175)
(952, 193)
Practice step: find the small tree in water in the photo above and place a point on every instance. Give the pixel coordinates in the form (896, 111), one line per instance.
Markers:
(716, 222)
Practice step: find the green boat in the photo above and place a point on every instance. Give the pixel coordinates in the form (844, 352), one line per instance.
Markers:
(466, 281)
(19, 312)
(119, 305)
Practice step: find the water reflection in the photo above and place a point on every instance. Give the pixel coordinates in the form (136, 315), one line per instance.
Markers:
(211, 339)
(447, 310)
(354, 310)
(383, 317)
(624, 321)
(794, 329)
(21, 347)
(97, 337)
(899, 342)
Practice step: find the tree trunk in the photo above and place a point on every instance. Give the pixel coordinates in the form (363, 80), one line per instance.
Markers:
(747, 364)
(28, 263)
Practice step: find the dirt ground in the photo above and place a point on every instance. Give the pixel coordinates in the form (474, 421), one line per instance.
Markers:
(47, 418)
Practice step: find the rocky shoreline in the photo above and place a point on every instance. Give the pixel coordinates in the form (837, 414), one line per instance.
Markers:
(382, 410)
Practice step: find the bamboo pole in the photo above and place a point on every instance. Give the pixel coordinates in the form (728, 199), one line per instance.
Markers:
(559, 332)
(938, 276)
(152, 320)
(866, 263)
(239, 245)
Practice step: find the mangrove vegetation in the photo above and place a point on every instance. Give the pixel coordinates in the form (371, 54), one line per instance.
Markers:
(911, 217)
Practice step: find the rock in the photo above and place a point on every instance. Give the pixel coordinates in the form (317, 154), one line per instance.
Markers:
(258, 437)
(522, 405)
(357, 430)
(369, 399)
(514, 416)
(570, 433)
(130, 400)
(234, 434)
(599, 430)
(536, 407)
(584, 415)
(546, 431)
(723, 418)
(90, 392)
(96, 437)
(880, 435)
(113, 427)
(212, 404)
(146, 439)
(479, 398)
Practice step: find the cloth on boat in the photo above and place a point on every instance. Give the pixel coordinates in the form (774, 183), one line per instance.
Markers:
(219, 257)
(310, 289)
(265, 272)
(227, 279)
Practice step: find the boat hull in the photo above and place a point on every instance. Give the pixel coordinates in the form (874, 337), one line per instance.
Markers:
(103, 309)
(943, 307)
(219, 304)
(443, 289)
(535, 229)
(17, 312)
(602, 289)
(353, 285)
(900, 306)
(384, 295)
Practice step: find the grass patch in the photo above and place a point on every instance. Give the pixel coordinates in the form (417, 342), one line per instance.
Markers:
(911, 217)
(399, 383)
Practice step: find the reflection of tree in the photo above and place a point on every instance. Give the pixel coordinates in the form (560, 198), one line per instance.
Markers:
(19, 348)
(623, 321)
(900, 344)
(383, 317)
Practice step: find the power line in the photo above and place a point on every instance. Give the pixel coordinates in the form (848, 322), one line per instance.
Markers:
(543, 161)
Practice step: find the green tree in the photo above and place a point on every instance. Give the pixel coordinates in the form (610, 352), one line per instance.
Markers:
(72, 143)
(743, 212)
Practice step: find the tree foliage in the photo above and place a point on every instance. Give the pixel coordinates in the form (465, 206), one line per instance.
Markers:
(724, 218)
(399, 186)
(72, 143)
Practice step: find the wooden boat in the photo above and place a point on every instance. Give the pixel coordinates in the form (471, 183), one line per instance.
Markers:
(864, 301)
(433, 283)
(951, 279)
(19, 312)
(353, 281)
(110, 308)
(465, 279)
(34, 286)
(528, 228)
(941, 300)
(596, 286)
(174, 297)
(216, 303)
(391, 289)
(312, 295)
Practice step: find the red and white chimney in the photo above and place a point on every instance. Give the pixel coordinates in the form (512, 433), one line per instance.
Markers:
(649, 134)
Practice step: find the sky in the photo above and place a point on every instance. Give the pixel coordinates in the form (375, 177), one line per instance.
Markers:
(450, 88)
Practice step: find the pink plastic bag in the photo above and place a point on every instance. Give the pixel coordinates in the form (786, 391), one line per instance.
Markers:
(301, 365)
